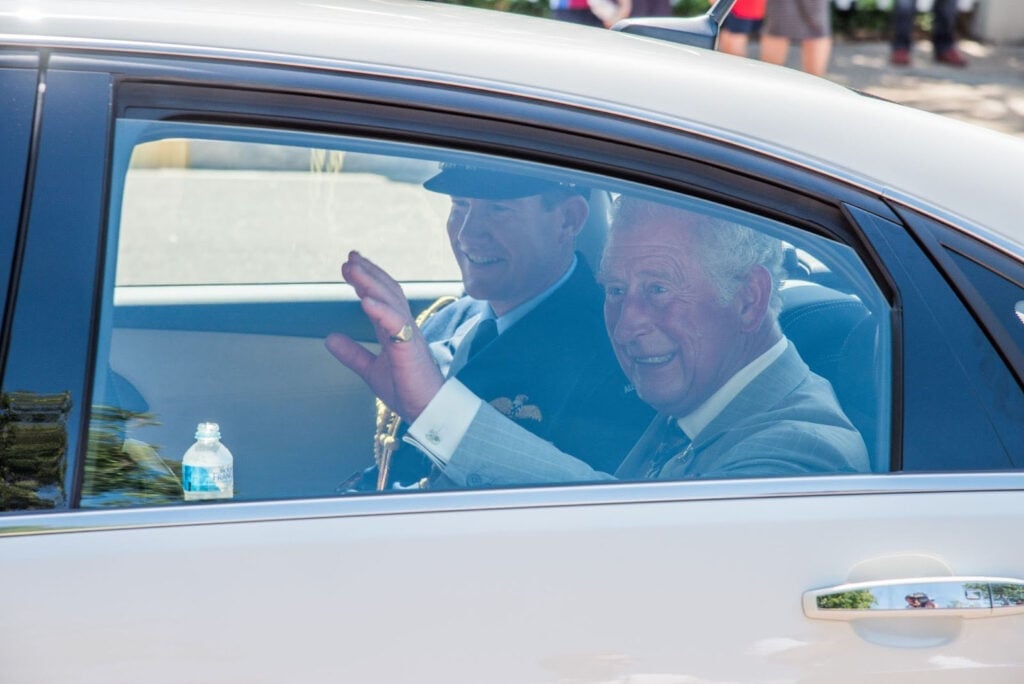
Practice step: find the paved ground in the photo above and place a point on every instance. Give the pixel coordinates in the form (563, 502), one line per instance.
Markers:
(989, 92)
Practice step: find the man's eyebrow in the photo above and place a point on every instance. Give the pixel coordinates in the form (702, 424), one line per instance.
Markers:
(603, 275)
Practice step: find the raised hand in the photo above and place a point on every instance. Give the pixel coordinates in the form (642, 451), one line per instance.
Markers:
(403, 374)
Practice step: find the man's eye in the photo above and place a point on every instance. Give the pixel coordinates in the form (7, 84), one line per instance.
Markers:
(656, 289)
(613, 290)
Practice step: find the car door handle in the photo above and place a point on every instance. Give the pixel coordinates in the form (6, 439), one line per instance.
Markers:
(969, 597)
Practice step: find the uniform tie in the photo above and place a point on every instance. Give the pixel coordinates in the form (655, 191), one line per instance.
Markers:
(483, 334)
(673, 441)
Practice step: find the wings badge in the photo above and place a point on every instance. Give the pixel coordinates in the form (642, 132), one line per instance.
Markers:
(517, 408)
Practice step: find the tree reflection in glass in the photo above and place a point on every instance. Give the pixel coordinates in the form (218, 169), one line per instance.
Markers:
(861, 599)
(120, 471)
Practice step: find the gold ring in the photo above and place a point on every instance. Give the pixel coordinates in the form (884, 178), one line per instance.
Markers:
(403, 335)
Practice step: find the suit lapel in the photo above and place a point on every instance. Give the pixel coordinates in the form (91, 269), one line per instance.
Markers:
(765, 391)
(541, 334)
(524, 373)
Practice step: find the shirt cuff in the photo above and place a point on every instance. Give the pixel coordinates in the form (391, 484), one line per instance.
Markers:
(444, 422)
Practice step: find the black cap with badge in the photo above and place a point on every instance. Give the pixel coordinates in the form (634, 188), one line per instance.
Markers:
(460, 180)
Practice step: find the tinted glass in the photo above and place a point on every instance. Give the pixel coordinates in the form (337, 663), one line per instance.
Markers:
(52, 317)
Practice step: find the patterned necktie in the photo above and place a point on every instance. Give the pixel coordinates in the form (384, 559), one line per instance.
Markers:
(483, 334)
(673, 441)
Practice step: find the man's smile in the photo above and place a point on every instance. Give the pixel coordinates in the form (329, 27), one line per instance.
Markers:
(652, 360)
(478, 260)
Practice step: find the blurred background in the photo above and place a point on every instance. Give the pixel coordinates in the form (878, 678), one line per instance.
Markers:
(989, 91)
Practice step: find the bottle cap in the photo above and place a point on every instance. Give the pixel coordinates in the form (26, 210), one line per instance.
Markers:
(208, 431)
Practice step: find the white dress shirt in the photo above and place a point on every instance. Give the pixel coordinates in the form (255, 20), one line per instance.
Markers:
(443, 423)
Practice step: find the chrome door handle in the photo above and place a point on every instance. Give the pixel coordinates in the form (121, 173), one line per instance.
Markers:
(969, 597)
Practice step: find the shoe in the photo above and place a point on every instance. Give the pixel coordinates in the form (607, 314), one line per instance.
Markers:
(952, 57)
(900, 57)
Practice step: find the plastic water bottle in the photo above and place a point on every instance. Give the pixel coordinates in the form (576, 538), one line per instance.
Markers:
(207, 468)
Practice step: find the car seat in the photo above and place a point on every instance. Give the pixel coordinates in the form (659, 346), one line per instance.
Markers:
(837, 336)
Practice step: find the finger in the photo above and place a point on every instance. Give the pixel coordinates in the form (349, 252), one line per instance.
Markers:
(375, 271)
(367, 286)
(413, 373)
(351, 353)
(381, 285)
(388, 321)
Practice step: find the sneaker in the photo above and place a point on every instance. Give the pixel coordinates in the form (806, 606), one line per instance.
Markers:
(900, 57)
(952, 57)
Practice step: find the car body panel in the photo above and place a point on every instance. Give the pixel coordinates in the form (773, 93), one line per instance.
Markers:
(552, 593)
(815, 124)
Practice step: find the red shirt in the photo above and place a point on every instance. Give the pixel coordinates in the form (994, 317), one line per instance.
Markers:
(749, 9)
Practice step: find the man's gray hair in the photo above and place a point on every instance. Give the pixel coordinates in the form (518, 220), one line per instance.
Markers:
(728, 250)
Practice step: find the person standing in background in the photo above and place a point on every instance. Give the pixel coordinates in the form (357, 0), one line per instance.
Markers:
(808, 21)
(605, 13)
(574, 11)
(943, 41)
(651, 8)
(745, 19)
(610, 11)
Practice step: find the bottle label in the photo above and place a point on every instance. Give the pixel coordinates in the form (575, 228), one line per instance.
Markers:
(216, 480)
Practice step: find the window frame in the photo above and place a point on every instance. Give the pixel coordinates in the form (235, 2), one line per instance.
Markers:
(19, 81)
(524, 128)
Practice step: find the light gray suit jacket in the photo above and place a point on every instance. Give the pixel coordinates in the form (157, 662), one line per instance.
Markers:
(785, 422)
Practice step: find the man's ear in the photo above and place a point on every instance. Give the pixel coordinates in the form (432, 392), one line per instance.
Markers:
(575, 210)
(753, 298)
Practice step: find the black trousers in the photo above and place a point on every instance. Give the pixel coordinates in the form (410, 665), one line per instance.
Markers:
(944, 18)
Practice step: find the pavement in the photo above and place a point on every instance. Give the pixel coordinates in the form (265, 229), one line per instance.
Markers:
(988, 92)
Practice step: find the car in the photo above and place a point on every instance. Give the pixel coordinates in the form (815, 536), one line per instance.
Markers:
(180, 184)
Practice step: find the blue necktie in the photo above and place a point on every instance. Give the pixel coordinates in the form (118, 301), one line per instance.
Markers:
(673, 441)
(483, 334)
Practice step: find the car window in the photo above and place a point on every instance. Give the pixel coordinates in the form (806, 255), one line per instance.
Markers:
(200, 211)
(222, 283)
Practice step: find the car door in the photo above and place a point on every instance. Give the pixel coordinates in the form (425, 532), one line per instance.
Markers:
(133, 324)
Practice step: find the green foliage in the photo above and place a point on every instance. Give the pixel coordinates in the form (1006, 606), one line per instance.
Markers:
(847, 600)
(125, 472)
(863, 20)
(1001, 594)
(538, 8)
(33, 446)
(690, 8)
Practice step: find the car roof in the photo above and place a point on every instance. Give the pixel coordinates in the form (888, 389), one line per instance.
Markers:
(951, 169)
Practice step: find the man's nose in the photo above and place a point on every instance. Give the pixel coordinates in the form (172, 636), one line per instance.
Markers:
(473, 226)
(630, 319)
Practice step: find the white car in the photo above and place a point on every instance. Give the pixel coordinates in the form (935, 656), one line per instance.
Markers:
(180, 183)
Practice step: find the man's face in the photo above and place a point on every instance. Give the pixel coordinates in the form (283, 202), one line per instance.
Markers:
(675, 340)
(509, 251)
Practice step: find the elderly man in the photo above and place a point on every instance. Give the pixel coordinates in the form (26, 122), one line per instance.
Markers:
(691, 309)
(545, 362)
